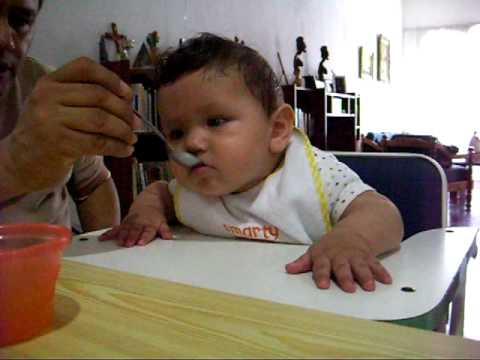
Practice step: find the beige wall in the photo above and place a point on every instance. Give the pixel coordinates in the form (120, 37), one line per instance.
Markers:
(435, 13)
(71, 28)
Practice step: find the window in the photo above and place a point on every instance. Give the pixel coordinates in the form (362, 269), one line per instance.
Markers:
(441, 84)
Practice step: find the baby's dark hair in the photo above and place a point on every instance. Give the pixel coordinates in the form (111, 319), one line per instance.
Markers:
(212, 52)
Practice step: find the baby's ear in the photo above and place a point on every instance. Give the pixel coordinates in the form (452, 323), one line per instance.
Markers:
(281, 128)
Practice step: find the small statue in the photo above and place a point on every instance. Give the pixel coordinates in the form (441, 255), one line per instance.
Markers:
(153, 40)
(103, 54)
(298, 61)
(325, 73)
(149, 54)
(122, 43)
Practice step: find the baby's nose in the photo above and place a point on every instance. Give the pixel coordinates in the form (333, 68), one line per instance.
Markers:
(196, 141)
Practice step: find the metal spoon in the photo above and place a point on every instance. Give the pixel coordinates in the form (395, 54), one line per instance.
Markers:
(182, 157)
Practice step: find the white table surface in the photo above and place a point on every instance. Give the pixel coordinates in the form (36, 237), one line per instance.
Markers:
(427, 262)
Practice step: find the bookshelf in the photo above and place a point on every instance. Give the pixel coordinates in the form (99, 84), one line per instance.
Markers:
(331, 120)
(148, 161)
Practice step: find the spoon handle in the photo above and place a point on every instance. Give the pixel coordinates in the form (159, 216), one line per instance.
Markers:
(154, 129)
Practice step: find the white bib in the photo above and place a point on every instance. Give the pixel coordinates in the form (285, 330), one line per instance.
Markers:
(288, 206)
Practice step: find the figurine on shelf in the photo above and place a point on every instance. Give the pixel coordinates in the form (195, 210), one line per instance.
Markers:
(149, 53)
(298, 60)
(325, 73)
(103, 54)
(122, 43)
(153, 39)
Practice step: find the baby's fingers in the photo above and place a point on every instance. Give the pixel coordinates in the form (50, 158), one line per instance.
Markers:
(148, 234)
(129, 234)
(379, 272)
(363, 274)
(301, 264)
(322, 272)
(367, 271)
(342, 271)
(164, 231)
(110, 234)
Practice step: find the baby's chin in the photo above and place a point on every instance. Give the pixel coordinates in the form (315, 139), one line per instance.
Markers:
(212, 190)
(206, 189)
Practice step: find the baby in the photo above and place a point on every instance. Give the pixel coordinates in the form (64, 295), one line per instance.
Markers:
(259, 178)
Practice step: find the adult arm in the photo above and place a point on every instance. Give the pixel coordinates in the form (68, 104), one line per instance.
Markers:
(101, 209)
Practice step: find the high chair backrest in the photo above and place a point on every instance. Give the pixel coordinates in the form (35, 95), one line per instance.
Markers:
(415, 183)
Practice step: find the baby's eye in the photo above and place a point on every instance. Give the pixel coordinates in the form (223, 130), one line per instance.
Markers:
(175, 134)
(215, 122)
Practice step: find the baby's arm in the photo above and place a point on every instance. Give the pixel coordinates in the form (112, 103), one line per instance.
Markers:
(148, 217)
(369, 226)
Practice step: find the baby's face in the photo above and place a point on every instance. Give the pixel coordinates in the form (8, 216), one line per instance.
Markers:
(215, 117)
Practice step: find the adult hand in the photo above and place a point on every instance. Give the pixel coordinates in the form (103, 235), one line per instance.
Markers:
(347, 260)
(148, 217)
(80, 109)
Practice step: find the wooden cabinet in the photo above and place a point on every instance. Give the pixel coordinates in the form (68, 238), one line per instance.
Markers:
(331, 120)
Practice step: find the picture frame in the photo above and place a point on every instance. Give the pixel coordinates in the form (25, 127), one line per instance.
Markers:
(383, 58)
(365, 63)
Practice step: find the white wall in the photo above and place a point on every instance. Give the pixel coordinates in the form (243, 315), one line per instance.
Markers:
(71, 28)
(436, 13)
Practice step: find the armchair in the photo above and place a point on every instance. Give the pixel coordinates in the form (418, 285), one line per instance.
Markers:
(458, 172)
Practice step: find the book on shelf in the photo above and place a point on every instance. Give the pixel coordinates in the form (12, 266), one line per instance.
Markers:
(144, 102)
(145, 173)
(304, 122)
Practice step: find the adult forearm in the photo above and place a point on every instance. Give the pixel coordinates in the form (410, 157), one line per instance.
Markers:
(375, 220)
(101, 209)
(10, 186)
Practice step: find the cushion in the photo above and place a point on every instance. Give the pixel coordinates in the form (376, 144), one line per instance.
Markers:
(456, 173)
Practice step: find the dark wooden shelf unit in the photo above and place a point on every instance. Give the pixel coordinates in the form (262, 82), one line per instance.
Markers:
(331, 120)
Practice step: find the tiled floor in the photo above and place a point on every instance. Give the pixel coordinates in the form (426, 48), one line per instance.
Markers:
(458, 217)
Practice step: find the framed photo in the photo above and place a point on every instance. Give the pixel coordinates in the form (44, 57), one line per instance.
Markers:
(383, 58)
(365, 63)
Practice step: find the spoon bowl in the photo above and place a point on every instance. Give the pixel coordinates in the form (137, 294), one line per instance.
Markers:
(182, 157)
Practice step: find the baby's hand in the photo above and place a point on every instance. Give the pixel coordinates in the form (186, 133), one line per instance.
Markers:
(347, 260)
(133, 231)
(146, 219)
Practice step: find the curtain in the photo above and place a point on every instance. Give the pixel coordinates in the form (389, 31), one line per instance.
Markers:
(440, 83)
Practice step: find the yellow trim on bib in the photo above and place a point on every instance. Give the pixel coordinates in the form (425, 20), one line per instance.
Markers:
(176, 203)
(317, 180)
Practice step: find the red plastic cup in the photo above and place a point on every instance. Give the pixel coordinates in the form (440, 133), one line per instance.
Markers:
(30, 257)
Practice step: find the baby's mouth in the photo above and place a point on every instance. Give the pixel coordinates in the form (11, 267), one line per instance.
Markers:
(199, 167)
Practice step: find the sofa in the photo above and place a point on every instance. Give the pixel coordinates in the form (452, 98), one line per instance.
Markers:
(457, 167)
